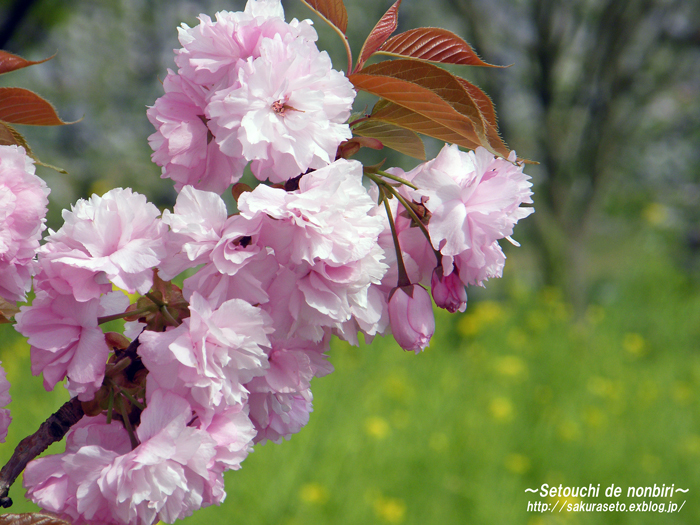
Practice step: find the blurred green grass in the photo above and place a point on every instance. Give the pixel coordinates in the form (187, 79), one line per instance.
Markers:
(512, 394)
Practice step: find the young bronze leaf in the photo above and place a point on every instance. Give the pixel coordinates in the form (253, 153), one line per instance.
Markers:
(434, 45)
(385, 27)
(10, 62)
(429, 91)
(31, 518)
(419, 100)
(7, 311)
(482, 100)
(385, 111)
(489, 113)
(400, 139)
(9, 136)
(21, 106)
(332, 11)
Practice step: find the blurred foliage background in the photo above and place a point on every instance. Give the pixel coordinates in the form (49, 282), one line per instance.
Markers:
(581, 366)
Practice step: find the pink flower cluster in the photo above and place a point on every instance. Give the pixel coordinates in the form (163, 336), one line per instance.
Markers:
(249, 88)
(23, 202)
(205, 372)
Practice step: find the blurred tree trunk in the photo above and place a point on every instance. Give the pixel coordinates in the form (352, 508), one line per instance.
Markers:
(588, 72)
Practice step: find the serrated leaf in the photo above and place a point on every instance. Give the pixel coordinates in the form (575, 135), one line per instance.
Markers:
(428, 91)
(392, 136)
(434, 45)
(21, 106)
(332, 11)
(488, 112)
(393, 113)
(9, 136)
(31, 518)
(385, 27)
(10, 62)
(7, 311)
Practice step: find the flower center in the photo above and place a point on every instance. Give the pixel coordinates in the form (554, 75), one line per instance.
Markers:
(280, 107)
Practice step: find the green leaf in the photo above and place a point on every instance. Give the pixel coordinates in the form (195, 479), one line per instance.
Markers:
(10, 62)
(392, 136)
(21, 106)
(385, 27)
(332, 11)
(434, 45)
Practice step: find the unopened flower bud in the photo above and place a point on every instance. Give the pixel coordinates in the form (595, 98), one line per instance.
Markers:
(411, 317)
(448, 292)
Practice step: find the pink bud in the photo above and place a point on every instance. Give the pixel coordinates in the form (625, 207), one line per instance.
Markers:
(411, 317)
(448, 292)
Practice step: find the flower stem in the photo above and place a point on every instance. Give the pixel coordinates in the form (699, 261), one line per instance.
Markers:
(127, 424)
(168, 316)
(417, 220)
(397, 179)
(403, 275)
(108, 318)
(132, 399)
(110, 406)
(155, 299)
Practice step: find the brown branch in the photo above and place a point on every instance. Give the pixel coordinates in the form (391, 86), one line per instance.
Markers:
(50, 431)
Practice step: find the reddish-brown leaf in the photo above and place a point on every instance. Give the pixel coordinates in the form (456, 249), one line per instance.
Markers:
(385, 111)
(489, 113)
(7, 311)
(21, 106)
(9, 136)
(434, 45)
(10, 62)
(482, 100)
(427, 90)
(385, 27)
(332, 11)
(392, 136)
(31, 518)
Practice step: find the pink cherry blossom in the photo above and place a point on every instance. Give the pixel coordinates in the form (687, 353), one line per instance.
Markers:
(278, 416)
(210, 356)
(166, 477)
(411, 316)
(23, 201)
(293, 364)
(66, 484)
(250, 283)
(448, 291)
(183, 145)
(474, 199)
(286, 113)
(5, 399)
(208, 63)
(233, 432)
(117, 236)
(66, 340)
(196, 225)
(326, 242)
(211, 50)
(100, 479)
(280, 401)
